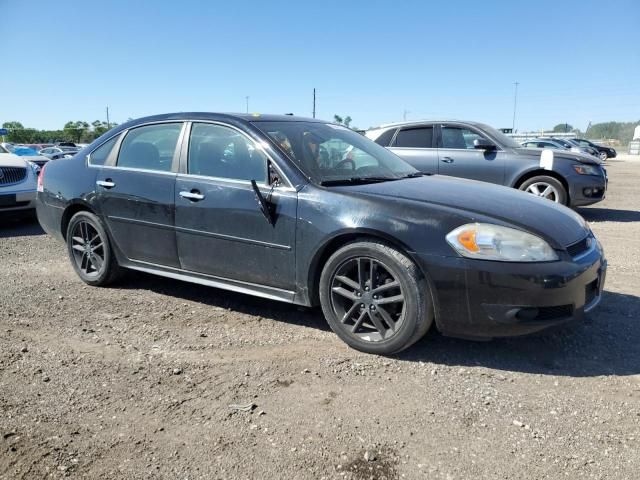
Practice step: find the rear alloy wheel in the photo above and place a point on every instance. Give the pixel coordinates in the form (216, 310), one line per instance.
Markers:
(375, 298)
(90, 251)
(546, 187)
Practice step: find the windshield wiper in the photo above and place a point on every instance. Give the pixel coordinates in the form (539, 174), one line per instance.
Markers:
(414, 175)
(356, 180)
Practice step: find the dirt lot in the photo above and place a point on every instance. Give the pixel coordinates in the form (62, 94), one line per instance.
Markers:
(137, 381)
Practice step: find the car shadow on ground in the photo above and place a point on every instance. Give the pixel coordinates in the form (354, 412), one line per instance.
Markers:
(12, 225)
(232, 301)
(592, 214)
(607, 343)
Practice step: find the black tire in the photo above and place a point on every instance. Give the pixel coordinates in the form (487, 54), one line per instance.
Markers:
(560, 195)
(603, 156)
(393, 275)
(90, 250)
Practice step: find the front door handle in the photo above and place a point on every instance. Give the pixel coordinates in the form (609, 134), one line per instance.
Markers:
(447, 160)
(108, 183)
(193, 195)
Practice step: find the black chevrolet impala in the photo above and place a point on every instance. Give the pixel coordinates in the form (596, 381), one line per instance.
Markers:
(309, 212)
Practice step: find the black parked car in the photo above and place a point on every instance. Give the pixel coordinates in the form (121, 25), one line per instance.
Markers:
(603, 152)
(479, 152)
(308, 212)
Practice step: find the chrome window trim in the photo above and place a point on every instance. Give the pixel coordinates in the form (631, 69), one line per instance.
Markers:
(125, 132)
(288, 185)
(131, 169)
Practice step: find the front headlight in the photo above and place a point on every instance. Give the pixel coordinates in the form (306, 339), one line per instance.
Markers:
(586, 169)
(35, 167)
(485, 241)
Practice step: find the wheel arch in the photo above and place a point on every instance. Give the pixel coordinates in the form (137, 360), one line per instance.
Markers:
(340, 239)
(74, 207)
(547, 173)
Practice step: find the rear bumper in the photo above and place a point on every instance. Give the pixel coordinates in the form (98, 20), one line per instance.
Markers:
(49, 217)
(482, 299)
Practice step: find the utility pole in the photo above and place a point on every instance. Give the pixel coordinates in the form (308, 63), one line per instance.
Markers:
(314, 103)
(247, 100)
(108, 123)
(515, 103)
(404, 114)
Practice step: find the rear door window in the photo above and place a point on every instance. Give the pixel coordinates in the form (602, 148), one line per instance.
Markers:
(99, 155)
(151, 147)
(385, 138)
(421, 137)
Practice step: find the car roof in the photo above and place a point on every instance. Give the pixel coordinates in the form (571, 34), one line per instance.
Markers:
(425, 121)
(247, 117)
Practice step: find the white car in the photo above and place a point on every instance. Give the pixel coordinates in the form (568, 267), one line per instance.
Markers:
(18, 182)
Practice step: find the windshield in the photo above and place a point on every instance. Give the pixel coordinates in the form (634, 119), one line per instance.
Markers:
(502, 139)
(329, 153)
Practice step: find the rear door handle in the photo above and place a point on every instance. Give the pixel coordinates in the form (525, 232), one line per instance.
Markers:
(193, 195)
(108, 183)
(447, 160)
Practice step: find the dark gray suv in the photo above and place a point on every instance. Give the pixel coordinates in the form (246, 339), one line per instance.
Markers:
(479, 152)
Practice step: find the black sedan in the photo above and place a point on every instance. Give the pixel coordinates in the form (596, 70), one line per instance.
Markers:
(603, 151)
(312, 213)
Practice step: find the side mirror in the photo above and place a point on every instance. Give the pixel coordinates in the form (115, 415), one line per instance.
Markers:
(483, 144)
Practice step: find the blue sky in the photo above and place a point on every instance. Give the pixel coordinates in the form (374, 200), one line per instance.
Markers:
(576, 61)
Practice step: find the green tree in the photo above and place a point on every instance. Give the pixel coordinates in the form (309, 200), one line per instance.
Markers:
(346, 121)
(562, 128)
(76, 130)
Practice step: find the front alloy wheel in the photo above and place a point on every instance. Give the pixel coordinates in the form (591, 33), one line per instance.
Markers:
(367, 298)
(544, 190)
(375, 298)
(546, 187)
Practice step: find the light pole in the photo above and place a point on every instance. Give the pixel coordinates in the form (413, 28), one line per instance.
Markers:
(247, 100)
(515, 103)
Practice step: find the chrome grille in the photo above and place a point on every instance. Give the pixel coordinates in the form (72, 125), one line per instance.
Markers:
(11, 175)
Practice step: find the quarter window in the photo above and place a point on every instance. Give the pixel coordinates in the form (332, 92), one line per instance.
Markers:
(99, 155)
(385, 138)
(151, 147)
(415, 138)
(222, 152)
(459, 137)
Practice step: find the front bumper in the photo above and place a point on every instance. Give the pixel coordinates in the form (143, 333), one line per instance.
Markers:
(586, 189)
(483, 299)
(11, 201)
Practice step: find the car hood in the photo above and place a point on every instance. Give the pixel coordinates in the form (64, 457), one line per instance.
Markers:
(11, 160)
(565, 155)
(557, 224)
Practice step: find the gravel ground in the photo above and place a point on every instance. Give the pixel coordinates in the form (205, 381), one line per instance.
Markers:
(137, 381)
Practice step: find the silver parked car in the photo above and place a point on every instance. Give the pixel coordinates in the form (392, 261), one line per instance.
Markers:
(479, 152)
(18, 182)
